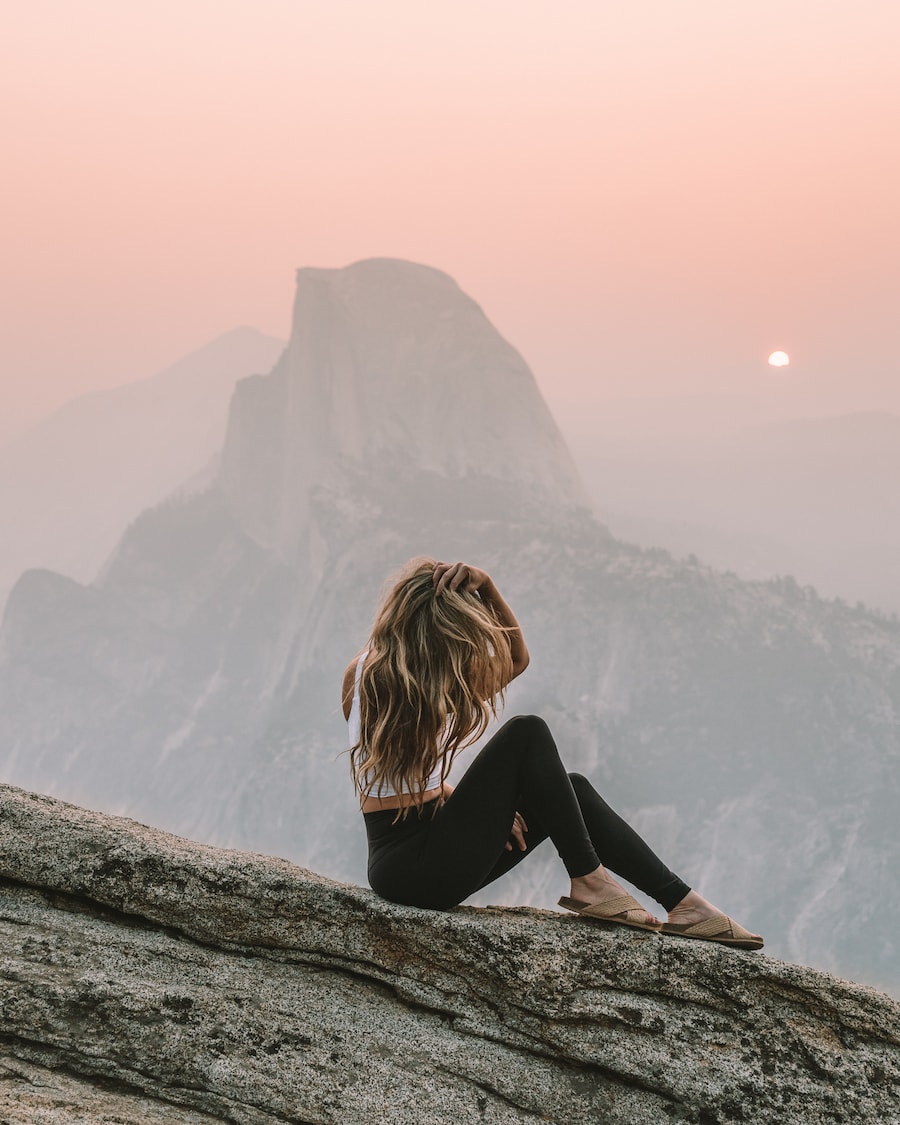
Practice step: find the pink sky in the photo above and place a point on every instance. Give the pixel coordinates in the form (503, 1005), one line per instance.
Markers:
(645, 198)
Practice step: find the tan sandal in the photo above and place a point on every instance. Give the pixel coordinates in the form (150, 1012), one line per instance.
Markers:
(623, 910)
(720, 928)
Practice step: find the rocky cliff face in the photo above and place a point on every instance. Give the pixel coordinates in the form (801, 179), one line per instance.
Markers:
(393, 380)
(751, 731)
(149, 978)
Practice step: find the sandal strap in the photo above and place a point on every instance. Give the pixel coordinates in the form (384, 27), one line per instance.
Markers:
(621, 904)
(713, 927)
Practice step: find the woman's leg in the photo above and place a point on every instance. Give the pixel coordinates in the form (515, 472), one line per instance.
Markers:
(442, 859)
(623, 851)
(616, 843)
(518, 768)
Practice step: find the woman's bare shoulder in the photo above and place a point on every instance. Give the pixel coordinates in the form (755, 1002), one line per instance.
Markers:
(349, 683)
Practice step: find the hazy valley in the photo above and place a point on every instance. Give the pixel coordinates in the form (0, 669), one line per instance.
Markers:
(750, 729)
(747, 486)
(70, 484)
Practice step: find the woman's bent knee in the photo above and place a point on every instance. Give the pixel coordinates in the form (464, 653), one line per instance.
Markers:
(528, 726)
(586, 791)
(581, 784)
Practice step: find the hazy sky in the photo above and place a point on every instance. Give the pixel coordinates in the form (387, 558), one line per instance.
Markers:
(644, 197)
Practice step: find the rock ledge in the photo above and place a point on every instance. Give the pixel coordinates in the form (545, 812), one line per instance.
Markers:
(147, 977)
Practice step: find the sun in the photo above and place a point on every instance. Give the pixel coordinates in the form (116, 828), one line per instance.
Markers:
(779, 359)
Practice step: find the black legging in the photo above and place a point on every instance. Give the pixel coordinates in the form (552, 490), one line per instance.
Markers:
(441, 857)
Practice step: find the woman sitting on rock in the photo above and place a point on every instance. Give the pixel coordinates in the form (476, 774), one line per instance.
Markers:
(444, 646)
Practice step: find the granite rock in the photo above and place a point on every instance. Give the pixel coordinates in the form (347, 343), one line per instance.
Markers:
(147, 977)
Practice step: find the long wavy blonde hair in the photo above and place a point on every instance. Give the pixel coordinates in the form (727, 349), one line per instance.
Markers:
(434, 676)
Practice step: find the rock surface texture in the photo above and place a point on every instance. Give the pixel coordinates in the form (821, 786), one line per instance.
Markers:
(147, 977)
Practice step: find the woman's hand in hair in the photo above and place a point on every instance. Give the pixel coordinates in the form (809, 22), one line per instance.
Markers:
(459, 576)
(455, 576)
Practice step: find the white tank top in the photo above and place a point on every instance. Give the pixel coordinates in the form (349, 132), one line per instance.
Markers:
(354, 730)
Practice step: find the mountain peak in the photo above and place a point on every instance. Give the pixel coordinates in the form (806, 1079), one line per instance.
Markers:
(405, 271)
(392, 373)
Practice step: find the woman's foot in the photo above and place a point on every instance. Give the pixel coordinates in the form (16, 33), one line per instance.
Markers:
(694, 908)
(599, 886)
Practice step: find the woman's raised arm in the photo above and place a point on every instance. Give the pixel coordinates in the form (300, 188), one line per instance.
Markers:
(454, 576)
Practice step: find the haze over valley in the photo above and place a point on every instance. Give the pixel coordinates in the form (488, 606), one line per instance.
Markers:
(746, 484)
(751, 730)
(72, 482)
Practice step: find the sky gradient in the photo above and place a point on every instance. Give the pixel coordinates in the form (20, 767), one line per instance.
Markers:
(646, 199)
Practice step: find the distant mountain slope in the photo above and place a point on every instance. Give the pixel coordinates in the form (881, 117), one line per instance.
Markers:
(70, 484)
(811, 497)
(751, 730)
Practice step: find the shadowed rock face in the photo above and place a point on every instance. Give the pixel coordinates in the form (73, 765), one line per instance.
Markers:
(147, 977)
(48, 1095)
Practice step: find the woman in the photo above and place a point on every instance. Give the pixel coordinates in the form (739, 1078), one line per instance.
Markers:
(443, 648)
